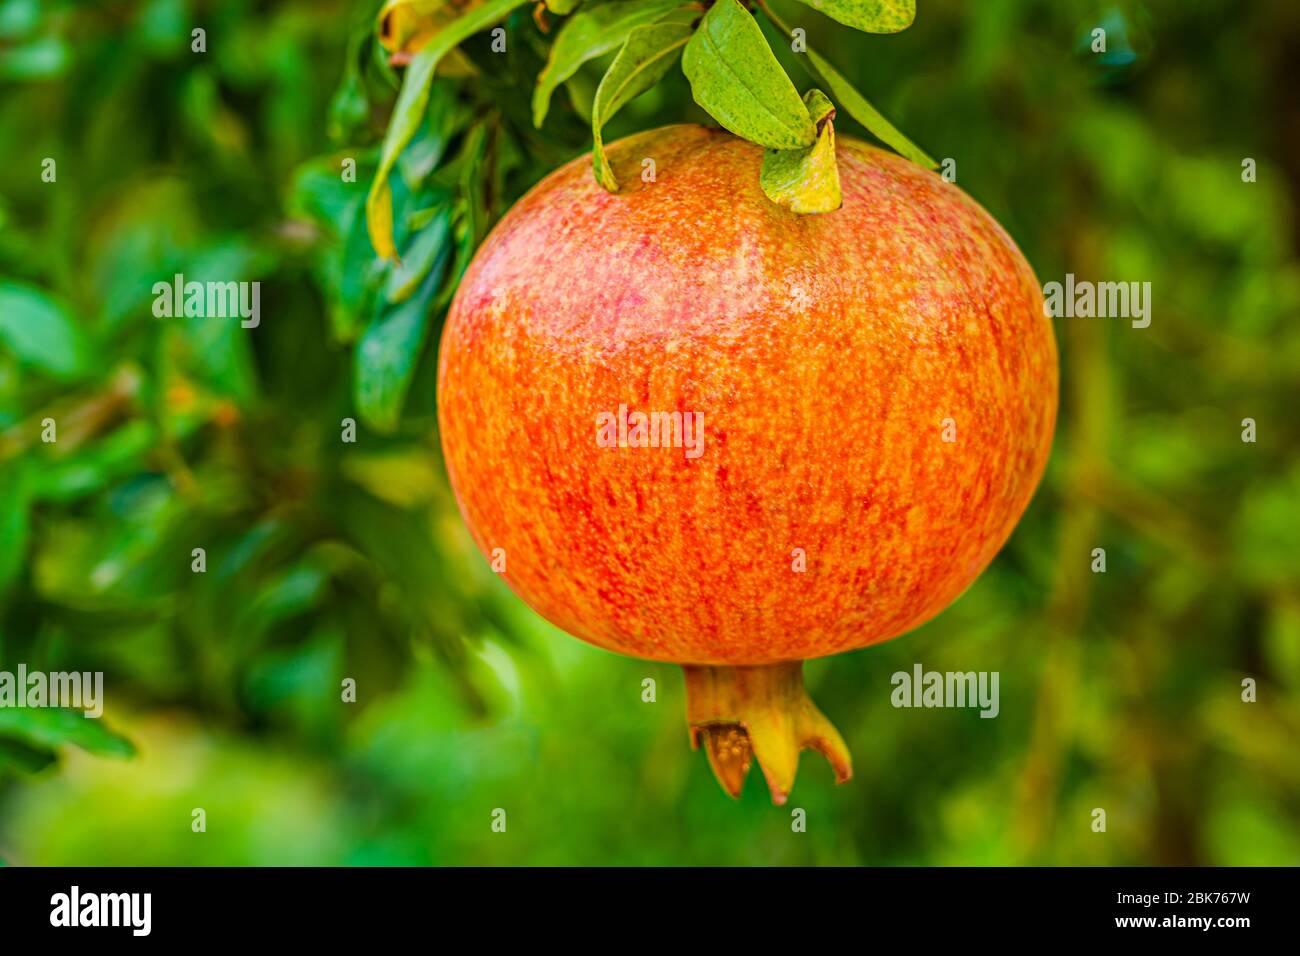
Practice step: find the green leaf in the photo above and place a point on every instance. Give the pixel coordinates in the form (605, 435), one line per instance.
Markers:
(220, 352)
(23, 757)
(39, 330)
(410, 108)
(853, 102)
(593, 32)
(562, 8)
(41, 59)
(115, 457)
(870, 16)
(388, 352)
(350, 106)
(343, 261)
(866, 114)
(56, 726)
(649, 52)
(806, 180)
(19, 18)
(735, 77)
(473, 183)
(426, 247)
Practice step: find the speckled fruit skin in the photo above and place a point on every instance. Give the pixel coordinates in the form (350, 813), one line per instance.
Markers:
(825, 352)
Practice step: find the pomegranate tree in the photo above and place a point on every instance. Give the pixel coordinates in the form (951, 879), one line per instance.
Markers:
(875, 389)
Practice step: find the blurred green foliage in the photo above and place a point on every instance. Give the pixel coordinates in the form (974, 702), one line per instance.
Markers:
(328, 561)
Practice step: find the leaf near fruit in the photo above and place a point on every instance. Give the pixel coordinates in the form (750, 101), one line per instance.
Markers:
(413, 99)
(854, 103)
(736, 78)
(806, 180)
(588, 34)
(647, 54)
(869, 16)
(389, 351)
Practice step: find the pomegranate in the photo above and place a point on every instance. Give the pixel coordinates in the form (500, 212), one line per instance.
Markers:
(853, 410)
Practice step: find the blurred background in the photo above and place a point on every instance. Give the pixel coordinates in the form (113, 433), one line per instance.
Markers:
(328, 561)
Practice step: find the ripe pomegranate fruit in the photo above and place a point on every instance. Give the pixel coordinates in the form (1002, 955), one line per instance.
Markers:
(877, 389)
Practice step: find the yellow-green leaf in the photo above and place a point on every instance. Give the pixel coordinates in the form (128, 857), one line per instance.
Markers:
(854, 103)
(588, 34)
(806, 180)
(409, 111)
(407, 25)
(56, 726)
(870, 16)
(648, 53)
(735, 77)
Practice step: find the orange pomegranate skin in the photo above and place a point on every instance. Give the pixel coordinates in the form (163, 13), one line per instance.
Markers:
(826, 353)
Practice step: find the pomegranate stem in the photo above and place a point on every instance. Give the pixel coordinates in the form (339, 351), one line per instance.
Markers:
(763, 713)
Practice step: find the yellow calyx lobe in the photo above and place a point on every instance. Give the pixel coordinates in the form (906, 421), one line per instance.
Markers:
(763, 713)
(806, 181)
